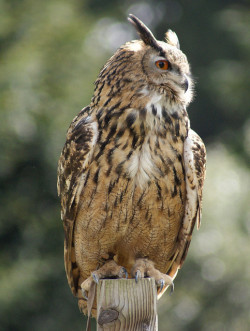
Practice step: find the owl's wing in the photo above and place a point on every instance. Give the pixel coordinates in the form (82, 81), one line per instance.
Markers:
(72, 168)
(195, 169)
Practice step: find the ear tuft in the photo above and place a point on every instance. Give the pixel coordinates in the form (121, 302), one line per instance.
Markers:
(172, 39)
(145, 34)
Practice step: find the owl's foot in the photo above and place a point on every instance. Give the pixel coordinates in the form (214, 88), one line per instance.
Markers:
(145, 268)
(109, 270)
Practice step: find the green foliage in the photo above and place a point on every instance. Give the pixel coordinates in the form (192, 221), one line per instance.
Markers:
(51, 53)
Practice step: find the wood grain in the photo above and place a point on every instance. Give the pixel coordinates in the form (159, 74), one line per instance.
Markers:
(123, 304)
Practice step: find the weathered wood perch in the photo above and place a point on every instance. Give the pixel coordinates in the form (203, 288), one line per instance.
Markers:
(123, 304)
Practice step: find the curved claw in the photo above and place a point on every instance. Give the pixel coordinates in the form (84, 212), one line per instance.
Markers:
(162, 283)
(124, 271)
(137, 275)
(172, 288)
(95, 277)
(84, 294)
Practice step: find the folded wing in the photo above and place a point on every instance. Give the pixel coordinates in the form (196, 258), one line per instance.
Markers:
(195, 168)
(72, 171)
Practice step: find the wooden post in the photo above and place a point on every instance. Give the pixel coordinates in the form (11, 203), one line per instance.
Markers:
(123, 304)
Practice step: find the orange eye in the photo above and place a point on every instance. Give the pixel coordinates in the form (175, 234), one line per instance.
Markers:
(162, 64)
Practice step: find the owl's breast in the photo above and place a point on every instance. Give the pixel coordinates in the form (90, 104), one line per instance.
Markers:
(133, 198)
(141, 167)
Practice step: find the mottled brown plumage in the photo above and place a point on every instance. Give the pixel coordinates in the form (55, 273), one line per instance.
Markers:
(131, 173)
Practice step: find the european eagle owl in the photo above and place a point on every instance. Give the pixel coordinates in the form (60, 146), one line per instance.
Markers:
(131, 173)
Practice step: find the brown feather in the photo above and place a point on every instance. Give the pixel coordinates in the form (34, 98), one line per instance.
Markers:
(72, 166)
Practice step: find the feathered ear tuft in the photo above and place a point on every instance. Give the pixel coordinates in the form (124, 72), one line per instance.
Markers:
(172, 39)
(144, 32)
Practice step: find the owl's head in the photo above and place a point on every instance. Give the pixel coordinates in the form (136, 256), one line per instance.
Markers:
(164, 66)
(146, 67)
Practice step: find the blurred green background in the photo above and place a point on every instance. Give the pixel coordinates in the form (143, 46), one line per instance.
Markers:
(50, 54)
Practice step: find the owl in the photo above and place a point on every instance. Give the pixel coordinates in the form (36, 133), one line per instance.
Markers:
(131, 172)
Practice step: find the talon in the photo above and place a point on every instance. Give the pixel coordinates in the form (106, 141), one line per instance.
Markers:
(95, 277)
(137, 275)
(124, 271)
(172, 288)
(162, 283)
(84, 294)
